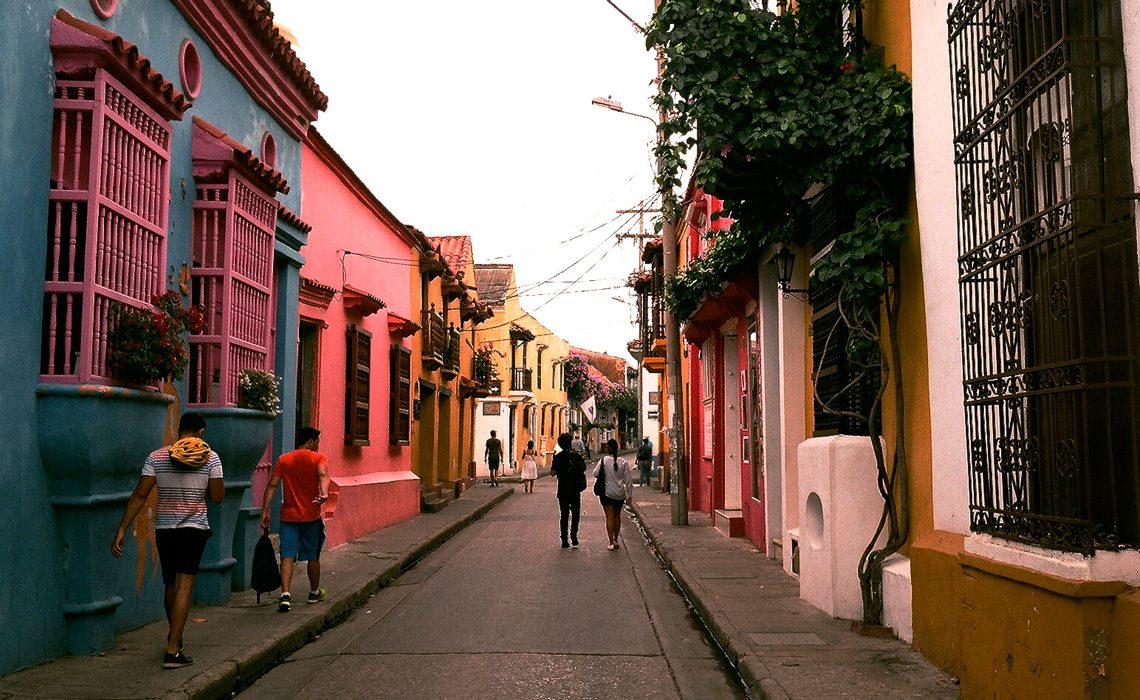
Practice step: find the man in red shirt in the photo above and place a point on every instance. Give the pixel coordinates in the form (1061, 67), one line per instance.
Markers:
(306, 475)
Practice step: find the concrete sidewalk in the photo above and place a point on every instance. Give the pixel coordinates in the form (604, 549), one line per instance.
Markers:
(234, 643)
(782, 647)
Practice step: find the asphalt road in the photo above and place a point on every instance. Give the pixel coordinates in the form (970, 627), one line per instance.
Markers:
(501, 611)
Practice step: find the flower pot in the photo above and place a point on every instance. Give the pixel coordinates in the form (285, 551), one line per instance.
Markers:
(92, 442)
(239, 436)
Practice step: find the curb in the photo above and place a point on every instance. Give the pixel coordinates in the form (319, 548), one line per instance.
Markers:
(750, 667)
(237, 673)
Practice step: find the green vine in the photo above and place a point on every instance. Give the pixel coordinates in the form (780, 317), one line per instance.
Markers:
(774, 104)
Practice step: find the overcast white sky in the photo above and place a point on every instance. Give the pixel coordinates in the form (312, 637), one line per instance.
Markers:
(475, 118)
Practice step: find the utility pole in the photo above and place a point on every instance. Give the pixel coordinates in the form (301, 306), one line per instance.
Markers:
(641, 235)
(678, 483)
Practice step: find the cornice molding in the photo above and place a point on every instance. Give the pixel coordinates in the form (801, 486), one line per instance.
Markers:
(258, 56)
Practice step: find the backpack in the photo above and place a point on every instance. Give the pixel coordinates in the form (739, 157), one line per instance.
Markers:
(266, 575)
(580, 468)
(644, 452)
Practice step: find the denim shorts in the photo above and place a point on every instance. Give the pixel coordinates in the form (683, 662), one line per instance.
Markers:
(302, 541)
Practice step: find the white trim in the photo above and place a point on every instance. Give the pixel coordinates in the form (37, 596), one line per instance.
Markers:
(1103, 566)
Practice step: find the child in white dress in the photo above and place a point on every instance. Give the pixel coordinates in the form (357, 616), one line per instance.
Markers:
(529, 467)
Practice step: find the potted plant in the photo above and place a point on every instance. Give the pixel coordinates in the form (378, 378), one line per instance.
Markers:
(145, 345)
(257, 390)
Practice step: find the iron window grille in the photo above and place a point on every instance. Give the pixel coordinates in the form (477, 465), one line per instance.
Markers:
(1047, 271)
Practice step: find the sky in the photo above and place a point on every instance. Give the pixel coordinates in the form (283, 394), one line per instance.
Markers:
(469, 118)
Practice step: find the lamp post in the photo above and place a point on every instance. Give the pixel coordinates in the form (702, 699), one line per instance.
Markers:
(675, 474)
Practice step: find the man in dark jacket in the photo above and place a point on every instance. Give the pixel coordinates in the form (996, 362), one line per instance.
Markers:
(570, 469)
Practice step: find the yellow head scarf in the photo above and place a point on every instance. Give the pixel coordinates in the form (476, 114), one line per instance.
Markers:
(190, 451)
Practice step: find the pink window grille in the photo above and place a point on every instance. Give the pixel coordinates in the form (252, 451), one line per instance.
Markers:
(232, 276)
(106, 239)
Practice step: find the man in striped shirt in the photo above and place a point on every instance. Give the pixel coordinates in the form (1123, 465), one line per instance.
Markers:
(185, 473)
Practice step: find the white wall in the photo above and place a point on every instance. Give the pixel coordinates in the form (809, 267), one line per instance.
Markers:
(650, 427)
(483, 427)
(938, 231)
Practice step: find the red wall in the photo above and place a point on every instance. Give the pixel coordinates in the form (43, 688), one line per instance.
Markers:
(373, 485)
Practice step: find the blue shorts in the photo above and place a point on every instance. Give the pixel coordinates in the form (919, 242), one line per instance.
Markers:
(302, 541)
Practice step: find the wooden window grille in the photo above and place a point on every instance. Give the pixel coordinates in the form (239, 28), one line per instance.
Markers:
(400, 396)
(1047, 271)
(357, 383)
(107, 216)
(232, 279)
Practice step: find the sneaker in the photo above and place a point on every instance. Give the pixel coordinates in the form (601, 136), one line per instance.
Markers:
(178, 660)
(617, 545)
(565, 545)
(611, 547)
(318, 595)
(284, 603)
(574, 544)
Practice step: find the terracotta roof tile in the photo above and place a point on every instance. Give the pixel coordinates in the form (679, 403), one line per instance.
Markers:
(259, 15)
(67, 32)
(269, 176)
(286, 214)
(456, 251)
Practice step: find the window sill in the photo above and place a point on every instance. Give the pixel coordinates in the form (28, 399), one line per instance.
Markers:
(1103, 566)
(357, 443)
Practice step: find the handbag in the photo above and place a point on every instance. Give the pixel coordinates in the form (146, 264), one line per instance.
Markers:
(600, 482)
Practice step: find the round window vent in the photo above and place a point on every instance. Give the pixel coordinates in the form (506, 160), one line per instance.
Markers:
(104, 8)
(190, 69)
(269, 150)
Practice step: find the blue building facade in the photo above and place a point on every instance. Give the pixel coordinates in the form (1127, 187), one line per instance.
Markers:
(148, 146)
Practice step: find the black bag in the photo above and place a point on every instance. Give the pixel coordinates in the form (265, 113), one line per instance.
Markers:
(266, 574)
(578, 467)
(600, 482)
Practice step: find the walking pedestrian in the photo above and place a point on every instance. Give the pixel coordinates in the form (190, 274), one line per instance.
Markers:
(570, 469)
(578, 446)
(305, 472)
(184, 473)
(530, 467)
(644, 462)
(493, 455)
(618, 487)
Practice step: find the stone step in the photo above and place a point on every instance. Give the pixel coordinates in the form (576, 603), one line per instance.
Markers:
(729, 522)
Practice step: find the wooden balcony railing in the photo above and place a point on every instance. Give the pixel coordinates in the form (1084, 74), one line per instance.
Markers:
(521, 379)
(434, 338)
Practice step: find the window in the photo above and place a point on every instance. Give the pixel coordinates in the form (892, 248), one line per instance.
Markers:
(400, 396)
(538, 362)
(542, 429)
(231, 257)
(708, 361)
(357, 382)
(1047, 264)
(107, 207)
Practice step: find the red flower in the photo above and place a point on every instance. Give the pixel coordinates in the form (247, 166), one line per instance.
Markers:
(847, 66)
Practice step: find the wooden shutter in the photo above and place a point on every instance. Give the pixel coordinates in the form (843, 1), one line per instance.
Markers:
(400, 393)
(358, 364)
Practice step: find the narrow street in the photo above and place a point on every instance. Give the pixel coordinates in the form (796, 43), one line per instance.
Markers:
(502, 611)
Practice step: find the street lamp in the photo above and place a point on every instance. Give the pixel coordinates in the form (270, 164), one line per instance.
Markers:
(785, 261)
(677, 476)
(615, 106)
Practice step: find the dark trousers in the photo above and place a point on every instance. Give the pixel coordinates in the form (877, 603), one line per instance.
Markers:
(566, 506)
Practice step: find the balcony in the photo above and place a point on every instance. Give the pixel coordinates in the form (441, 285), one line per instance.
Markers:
(435, 339)
(450, 369)
(522, 379)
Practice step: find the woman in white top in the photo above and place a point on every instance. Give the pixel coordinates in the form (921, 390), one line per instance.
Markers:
(530, 467)
(619, 487)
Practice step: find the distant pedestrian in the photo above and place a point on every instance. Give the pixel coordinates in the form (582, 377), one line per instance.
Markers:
(305, 473)
(644, 462)
(185, 473)
(619, 487)
(578, 446)
(570, 469)
(493, 454)
(529, 467)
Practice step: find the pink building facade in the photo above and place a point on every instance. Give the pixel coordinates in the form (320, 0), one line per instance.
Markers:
(353, 344)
